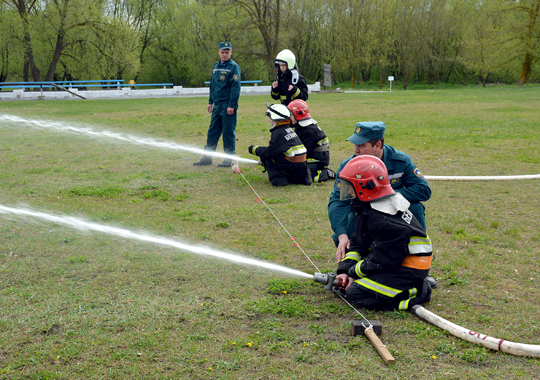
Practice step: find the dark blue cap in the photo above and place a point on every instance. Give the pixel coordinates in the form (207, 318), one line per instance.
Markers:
(367, 130)
(225, 45)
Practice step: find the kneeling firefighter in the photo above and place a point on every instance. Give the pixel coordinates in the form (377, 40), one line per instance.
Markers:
(390, 254)
(315, 141)
(285, 156)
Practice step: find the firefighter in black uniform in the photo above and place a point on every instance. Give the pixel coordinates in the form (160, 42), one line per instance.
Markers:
(289, 84)
(388, 261)
(285, 156)
(314, 139)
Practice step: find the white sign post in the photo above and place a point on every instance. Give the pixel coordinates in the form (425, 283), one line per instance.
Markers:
(390, 79)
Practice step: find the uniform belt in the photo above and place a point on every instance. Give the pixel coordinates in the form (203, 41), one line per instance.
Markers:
(301, 158)
(417, 262)
(321, 148)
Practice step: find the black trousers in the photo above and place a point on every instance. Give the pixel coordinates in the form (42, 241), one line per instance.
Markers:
(282, 172)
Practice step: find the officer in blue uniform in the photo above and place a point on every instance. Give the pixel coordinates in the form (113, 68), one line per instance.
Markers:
(405, 178)
(223, 105)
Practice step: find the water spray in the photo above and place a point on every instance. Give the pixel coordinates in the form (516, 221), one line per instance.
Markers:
(81, 224)
(87, 131)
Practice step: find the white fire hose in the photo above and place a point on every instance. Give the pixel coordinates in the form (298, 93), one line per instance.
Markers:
(481, 178)
(518, 349)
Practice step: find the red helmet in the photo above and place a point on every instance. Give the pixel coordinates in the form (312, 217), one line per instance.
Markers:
(299, 109)
(366, 177)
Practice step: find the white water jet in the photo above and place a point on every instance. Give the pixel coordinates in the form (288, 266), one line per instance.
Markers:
(81, 224)
(61, 127)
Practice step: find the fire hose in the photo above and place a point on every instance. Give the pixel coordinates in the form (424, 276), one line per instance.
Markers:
(329, 280)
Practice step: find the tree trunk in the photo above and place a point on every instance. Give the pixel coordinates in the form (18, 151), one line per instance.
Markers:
(525, 69)
(56, 55)
(380, 74)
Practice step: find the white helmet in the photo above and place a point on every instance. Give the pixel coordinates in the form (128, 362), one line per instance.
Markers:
(277, 112)
(286, 56)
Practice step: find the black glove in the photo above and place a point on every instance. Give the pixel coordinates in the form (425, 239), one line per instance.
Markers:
(251, 148)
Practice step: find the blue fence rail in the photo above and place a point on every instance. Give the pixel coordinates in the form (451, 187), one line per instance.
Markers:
(108, 83)
(254, 82)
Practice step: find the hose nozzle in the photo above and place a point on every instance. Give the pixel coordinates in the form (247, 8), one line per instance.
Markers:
(327, 279)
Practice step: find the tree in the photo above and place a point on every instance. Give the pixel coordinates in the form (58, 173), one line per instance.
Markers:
(353, 31)
(25, 8)
(64, 21)
(526, 32)
(482, 51)
(266, 16)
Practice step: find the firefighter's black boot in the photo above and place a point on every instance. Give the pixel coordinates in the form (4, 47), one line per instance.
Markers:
(205, 160)
(226, 163)
(431, 281)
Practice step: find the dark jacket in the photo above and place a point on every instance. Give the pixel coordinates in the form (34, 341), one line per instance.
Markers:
(383, 241)
(283, 142)
(312, 136)
(282, 93)
(225, 84)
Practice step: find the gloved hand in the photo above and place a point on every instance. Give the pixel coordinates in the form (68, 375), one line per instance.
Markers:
(252, 149)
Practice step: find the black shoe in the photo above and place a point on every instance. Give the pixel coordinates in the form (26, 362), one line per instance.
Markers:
(226, 163)
(321, 176)
(206, 160)
(431, 281)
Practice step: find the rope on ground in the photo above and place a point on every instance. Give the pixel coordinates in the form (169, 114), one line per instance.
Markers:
(236, 169)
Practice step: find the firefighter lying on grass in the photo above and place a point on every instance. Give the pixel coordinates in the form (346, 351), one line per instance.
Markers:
(285, 156)
(390, 254)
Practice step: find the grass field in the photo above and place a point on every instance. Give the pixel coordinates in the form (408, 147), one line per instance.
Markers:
(85, 305)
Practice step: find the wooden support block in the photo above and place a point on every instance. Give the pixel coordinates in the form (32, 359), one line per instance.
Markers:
(358, 327)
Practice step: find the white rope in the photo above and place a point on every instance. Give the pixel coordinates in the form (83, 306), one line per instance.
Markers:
(236, 169)
(480, 178)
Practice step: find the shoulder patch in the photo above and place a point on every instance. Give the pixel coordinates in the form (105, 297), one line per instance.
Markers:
(235, 77)
(418, 173)
(337, 184)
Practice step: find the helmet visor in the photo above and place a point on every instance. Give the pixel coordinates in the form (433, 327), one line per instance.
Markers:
(346, 190)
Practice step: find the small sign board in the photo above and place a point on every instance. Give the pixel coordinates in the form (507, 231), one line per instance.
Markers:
(390, 79)
(327, 76)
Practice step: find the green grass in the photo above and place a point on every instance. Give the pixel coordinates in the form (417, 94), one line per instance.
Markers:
(79, 305)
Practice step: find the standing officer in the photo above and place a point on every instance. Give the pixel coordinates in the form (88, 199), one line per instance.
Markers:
(223, 105)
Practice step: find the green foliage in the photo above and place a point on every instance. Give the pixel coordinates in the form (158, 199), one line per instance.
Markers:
(284, 286)
(365, 41)
(91, 191)
(162, 195)
(78, 260)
